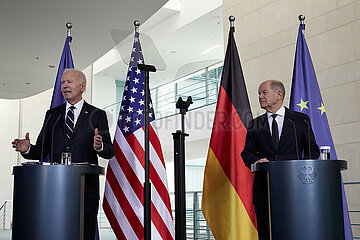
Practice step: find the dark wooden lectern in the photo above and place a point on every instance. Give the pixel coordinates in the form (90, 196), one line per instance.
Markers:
(305, 199)
(49, 201)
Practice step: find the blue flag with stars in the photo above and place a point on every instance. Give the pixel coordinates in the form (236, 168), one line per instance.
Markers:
(306, 97)
(66, 62)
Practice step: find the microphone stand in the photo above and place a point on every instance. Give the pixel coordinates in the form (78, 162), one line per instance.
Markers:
(52, 140)
(296, 142)
(309, 145)
(179, 167)
(147, 184)
(43, 139)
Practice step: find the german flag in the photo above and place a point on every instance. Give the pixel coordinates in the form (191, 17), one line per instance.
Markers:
(228, 183)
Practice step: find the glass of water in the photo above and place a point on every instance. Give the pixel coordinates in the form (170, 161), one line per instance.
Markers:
(66, 158)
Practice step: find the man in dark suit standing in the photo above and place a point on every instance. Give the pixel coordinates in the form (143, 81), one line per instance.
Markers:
(78, 128)
(279, 134)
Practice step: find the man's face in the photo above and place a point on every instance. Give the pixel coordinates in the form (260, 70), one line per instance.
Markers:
(71, 87)
(269, 98)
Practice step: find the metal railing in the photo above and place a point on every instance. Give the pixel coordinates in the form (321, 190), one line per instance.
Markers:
(354, 211)
(196, 225)
(6, 215)
(202, 86)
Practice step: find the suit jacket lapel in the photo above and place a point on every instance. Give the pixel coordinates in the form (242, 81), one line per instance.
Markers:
(61, 114)
(287, 129)
(82, 116)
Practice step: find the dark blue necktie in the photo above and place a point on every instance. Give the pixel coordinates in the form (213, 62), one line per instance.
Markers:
(69, 122)
(275, 131)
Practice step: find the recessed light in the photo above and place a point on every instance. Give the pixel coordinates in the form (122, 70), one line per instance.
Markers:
(27, 83)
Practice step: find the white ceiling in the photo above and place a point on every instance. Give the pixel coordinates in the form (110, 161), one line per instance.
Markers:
(192, 47)
(33, 35)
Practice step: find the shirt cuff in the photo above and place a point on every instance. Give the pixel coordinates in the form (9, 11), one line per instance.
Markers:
(100, 150)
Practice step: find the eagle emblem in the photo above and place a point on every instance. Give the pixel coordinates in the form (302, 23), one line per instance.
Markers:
(307, 174)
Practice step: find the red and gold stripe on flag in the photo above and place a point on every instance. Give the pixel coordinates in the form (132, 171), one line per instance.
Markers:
(227, 190)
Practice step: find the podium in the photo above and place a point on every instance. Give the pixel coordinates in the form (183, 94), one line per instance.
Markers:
(48, 201)
(305, 198)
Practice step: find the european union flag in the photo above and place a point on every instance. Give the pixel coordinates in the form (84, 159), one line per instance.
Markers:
(66, 62)
(306, 97)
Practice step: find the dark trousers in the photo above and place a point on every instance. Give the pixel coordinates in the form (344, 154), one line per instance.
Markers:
(90, 212)
(262, 217)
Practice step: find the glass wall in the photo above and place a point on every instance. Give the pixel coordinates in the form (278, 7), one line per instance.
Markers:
(202, 86)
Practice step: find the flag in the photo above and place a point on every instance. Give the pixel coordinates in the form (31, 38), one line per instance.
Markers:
(228, 183)
(306, 97)
(124, 199)
(66, 62)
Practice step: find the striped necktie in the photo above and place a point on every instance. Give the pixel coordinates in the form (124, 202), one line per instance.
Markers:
(69, 122)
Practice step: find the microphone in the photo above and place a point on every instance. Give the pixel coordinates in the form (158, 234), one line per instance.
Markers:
(52, 140)
(296, 142)
(308, 124)
(43, 139)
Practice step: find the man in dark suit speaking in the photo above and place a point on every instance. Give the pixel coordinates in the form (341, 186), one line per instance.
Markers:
(279, 134)
(78, 128)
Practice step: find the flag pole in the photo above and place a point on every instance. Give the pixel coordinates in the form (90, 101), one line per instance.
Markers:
(147, 184)
(69, 27)
(222, 185)
(301, 18)
(232, 20)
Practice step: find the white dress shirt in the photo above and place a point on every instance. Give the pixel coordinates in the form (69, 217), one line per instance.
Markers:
(279, 119)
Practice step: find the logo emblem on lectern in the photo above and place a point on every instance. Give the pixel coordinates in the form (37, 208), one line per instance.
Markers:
(307, 174)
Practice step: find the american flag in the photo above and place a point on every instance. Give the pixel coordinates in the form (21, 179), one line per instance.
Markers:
(124, 193)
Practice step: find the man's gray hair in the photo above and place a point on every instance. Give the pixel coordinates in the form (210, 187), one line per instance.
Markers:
(82, 77)
(278, 85)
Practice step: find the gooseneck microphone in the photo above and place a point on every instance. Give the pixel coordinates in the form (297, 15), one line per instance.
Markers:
(308, 125)
(43, 139)
(296, 142)
(52, 140)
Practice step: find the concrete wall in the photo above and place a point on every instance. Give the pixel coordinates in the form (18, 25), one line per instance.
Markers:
(266, 33)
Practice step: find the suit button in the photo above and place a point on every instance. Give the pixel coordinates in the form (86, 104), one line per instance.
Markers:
(276, 156)
(67, 148)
